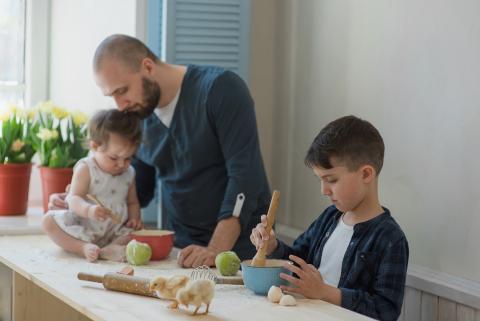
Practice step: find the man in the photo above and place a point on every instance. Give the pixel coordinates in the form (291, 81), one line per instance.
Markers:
(200, 138)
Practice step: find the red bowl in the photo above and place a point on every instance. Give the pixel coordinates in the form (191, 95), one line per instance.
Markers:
(160, 241)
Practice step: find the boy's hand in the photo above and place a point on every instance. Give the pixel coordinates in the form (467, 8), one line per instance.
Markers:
(259, 236)
(135, 223)
(98, 213)
(309, 282)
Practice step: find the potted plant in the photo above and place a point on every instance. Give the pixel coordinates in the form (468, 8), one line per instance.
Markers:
(59, 138)
(16, 152)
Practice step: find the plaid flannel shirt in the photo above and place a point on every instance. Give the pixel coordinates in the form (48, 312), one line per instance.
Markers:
(374, 267)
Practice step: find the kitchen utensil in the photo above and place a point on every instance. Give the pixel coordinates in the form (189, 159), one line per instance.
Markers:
(259, 279)
(259, 258)
(121, 282)
(204, 272)
(115, 217)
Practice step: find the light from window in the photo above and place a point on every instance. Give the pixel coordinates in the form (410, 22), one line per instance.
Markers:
(12, 52)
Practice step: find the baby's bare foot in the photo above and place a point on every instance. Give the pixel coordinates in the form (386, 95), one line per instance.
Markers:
(113, 252)
(91, 252)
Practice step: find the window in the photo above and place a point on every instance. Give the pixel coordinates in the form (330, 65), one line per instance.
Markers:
(12, 52)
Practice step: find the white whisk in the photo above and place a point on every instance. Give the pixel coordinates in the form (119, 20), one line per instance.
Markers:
(204, 272)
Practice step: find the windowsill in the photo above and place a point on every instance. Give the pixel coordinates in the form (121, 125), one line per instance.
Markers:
(31, 223)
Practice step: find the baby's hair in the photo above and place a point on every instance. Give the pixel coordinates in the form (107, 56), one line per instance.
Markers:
(112, 121)
(351, 140)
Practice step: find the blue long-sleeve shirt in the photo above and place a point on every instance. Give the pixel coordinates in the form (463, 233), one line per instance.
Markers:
(208, 155)
(374, 267)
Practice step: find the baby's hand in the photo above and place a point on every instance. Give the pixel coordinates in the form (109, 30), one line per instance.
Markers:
(259, 236)
(134, 223)
(98, 213)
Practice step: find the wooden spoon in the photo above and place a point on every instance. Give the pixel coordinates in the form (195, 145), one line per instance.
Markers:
(115, 217)
(259, 258)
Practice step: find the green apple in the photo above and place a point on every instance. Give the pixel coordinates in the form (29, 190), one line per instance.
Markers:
(138, 253)
(227, 263)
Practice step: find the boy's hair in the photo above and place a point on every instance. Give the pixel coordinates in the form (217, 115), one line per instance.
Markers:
(128, 50)
(112, 121)
(353, 141)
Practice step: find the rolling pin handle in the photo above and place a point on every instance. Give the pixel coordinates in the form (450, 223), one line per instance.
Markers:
(90, 277)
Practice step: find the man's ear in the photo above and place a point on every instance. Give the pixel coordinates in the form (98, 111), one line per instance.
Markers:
(368, 173)
(148, 64)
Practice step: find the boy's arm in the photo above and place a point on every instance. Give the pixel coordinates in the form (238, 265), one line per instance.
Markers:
(384, 301)
(78, 190)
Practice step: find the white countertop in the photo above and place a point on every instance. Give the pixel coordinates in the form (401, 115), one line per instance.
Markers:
(31, 223)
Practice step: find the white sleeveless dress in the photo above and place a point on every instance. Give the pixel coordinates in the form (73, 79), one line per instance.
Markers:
(112, 192)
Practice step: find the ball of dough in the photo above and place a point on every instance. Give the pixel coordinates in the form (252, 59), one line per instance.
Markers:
(288, 300)
(274, 294)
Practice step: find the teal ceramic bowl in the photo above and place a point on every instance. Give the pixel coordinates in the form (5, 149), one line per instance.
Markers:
(260, 279)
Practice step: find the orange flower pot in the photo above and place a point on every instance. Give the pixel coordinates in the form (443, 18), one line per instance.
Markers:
(54, 180)
(14, 184)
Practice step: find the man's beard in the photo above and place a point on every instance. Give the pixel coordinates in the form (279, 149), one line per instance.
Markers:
(151, 97)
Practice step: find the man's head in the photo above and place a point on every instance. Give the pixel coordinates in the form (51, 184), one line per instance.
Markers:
(123, 68)
(347, 155)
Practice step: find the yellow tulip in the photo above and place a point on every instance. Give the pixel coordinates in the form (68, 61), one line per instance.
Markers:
(4, 116)
(31, 113)
(59, 112)
(13, 109)
(79, 118)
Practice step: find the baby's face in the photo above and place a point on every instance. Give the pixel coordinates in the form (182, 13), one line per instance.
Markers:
(116, 156)
(345, 188)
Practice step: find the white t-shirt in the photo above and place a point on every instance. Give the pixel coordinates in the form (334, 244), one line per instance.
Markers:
(165, 114)
(333, 252)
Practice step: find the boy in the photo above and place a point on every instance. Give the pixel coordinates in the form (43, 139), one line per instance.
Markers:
(354, 255)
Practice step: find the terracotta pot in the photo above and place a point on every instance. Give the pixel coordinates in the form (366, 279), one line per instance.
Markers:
(54, 180)
(14, 185)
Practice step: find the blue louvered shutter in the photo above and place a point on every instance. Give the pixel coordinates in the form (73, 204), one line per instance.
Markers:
(155, 26)
(208, 32)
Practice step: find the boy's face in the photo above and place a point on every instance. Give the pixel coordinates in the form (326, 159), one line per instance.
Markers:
(345, 188)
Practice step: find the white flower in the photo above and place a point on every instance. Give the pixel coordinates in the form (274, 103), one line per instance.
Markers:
(47, 134)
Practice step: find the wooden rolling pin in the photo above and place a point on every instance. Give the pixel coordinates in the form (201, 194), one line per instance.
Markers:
(259, 258)
(120, 282)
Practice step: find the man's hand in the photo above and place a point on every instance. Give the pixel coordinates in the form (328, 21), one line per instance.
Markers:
(57, 201)
(196, 255)
(309, 282)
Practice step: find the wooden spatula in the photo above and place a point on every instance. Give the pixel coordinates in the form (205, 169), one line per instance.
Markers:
(115, 217)
(259, 258)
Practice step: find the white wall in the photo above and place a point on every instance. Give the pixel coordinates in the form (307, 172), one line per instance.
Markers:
(262, 72)
(76, 29)
(410, 67)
